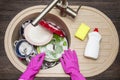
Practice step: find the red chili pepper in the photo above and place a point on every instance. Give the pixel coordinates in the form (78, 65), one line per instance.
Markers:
(51, 28)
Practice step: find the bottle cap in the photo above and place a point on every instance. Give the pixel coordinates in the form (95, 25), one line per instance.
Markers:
(96, 30)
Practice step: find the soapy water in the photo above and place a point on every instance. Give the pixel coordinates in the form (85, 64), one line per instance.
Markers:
(50, 60)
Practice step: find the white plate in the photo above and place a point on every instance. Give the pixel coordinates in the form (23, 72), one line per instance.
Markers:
(37, 35)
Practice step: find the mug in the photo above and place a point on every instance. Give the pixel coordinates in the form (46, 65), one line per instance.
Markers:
(23, 49)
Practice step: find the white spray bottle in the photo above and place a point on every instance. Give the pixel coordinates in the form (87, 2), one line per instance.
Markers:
(93, 45)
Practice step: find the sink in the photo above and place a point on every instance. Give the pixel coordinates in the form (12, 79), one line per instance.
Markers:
(88, 15)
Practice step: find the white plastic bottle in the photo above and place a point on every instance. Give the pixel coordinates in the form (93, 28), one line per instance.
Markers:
(93, 45)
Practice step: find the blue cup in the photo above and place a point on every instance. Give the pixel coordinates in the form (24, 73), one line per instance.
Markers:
(22, 47)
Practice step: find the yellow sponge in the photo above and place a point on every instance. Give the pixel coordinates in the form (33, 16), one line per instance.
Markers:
(82, 31)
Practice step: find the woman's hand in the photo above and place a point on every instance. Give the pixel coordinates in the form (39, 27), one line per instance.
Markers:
(36, 62)
(70, 65)
(33, 67)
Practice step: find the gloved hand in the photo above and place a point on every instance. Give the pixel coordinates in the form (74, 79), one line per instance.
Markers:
(33, 67)
(70, 65)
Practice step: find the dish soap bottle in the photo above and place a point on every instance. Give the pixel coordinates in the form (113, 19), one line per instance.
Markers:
(92, 48)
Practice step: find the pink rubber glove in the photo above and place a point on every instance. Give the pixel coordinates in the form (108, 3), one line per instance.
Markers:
(33, 67)
(70, 65)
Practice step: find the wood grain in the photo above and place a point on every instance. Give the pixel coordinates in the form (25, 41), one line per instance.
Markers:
(9, 8)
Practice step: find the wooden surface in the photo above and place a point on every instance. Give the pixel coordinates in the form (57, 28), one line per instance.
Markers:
(7, 71)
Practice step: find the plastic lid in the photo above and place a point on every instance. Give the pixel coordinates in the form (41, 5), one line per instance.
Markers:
(96, 30)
